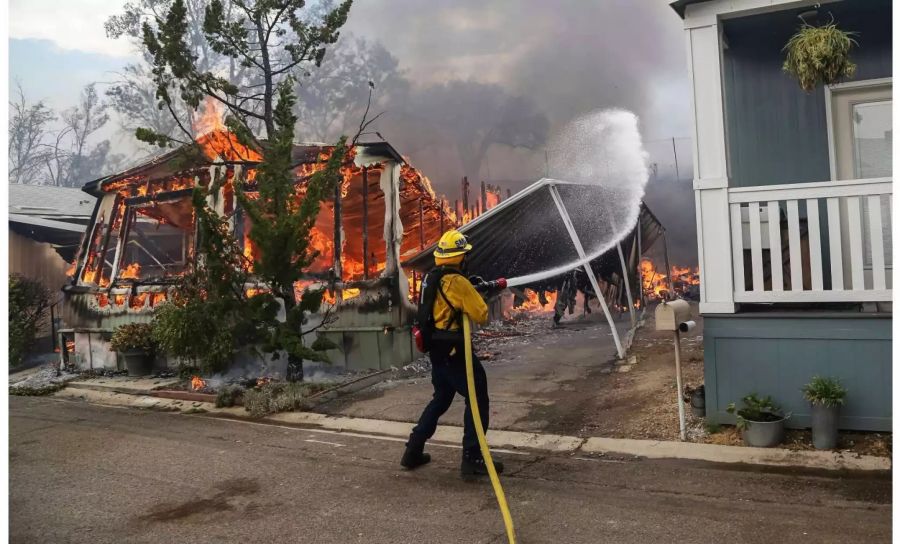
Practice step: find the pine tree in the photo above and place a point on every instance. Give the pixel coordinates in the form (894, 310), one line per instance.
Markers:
(277, 41)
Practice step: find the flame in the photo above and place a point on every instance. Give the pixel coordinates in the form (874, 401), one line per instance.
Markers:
(263, 380)
(102, 300)
(132, 271)
(253, 291)
(214, 138)
(197, 383)
(210, 118)
(119, 300)
(138, 301)
(157, 298)
(656, 283)
(533, 304)
(70, 271)
(346, 294)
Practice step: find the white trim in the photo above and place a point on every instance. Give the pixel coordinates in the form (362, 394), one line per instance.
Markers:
(717, 307)
(861, 84)
(830, 90)
(855, 295)
(825, 189)
(700, 14)
(710, 183)
(829, 124)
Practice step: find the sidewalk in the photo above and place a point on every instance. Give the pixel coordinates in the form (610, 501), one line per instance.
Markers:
(510, 440)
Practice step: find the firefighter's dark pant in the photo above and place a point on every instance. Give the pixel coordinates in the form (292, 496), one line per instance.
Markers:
(448, 375)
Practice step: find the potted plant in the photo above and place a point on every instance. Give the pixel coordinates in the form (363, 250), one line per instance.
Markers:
(696, 398)
(134, 341)
(818, 55)
(760, 421)
(826, 396)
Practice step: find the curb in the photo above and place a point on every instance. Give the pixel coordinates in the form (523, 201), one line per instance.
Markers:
(539, 442)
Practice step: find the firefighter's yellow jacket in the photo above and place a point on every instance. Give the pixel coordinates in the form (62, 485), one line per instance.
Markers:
(463, 297)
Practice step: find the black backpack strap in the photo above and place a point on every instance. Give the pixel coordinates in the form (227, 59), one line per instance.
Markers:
(456, 314)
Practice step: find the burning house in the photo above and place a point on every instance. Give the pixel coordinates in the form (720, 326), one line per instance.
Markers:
(141, 238)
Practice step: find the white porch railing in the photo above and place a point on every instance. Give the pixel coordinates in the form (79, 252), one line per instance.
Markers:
(812, 242)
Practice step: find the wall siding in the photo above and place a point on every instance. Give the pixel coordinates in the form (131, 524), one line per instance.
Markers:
(777, 355)
(41, 262)
(777, 133)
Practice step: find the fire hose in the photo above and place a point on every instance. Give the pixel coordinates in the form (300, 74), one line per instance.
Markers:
(476, 417)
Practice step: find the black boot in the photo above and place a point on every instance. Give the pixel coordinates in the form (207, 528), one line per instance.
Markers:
(413, 457)
(473, 465)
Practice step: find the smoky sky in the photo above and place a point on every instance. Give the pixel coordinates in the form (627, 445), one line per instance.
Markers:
(569, 57)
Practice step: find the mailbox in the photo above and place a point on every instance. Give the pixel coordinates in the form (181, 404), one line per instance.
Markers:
(670, 316)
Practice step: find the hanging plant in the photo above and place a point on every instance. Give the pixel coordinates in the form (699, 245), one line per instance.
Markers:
(819, 55)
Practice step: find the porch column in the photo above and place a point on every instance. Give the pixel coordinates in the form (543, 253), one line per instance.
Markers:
(704, 48)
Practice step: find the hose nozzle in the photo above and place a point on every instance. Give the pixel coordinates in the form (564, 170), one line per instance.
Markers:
(495, 285)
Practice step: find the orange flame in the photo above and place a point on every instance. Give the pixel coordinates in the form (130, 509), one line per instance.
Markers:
(197, 383)
(656, 282)
(210, 118)
(138, 301)
(132, 271)
(157, 298)
(533, 304)
(214, 137)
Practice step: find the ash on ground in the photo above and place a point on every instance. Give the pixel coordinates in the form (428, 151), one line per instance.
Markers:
(43, 381)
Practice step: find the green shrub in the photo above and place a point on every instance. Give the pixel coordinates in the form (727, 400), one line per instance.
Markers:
(29, 305)
(755, 408)
(819, 55)
(133, 337)
(824, 392)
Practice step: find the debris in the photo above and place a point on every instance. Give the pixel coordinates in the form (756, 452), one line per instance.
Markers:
(43, 382)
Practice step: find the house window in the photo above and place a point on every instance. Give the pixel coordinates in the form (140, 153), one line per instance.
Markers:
(871, 139)
(159, 240)
(859, 129)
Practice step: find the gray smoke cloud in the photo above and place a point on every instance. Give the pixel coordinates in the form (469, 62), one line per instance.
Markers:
(565, 58)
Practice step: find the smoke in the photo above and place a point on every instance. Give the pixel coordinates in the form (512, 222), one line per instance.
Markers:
(565, 58)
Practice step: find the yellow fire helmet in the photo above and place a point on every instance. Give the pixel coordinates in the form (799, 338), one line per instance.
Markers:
(451, 244)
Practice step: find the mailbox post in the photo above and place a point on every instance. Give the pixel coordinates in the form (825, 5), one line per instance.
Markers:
(675, 316)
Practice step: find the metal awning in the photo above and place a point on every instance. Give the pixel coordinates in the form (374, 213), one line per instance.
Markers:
(523, 234)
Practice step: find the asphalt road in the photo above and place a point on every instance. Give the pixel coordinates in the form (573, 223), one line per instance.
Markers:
(82, 473)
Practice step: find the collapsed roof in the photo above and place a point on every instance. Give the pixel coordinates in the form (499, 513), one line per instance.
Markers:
(525, 235)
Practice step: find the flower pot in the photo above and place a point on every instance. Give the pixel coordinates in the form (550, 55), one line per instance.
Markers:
(138, 363)
(698, 402)
(764, 434)
(825, 426)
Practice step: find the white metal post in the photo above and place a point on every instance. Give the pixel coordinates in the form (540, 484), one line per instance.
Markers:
(567, 221)
(678, 384)
(640, 269)
(627, 284)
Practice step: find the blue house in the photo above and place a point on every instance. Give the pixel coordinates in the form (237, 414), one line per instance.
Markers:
(793, 199)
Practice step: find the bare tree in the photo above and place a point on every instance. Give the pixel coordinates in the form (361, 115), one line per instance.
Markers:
(71, 160)
(28, 130)
(334, 97)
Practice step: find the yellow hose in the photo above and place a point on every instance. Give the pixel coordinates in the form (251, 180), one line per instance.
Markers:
(479, 430)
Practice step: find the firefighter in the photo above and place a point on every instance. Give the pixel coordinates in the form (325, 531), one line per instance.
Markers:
(446, 295)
